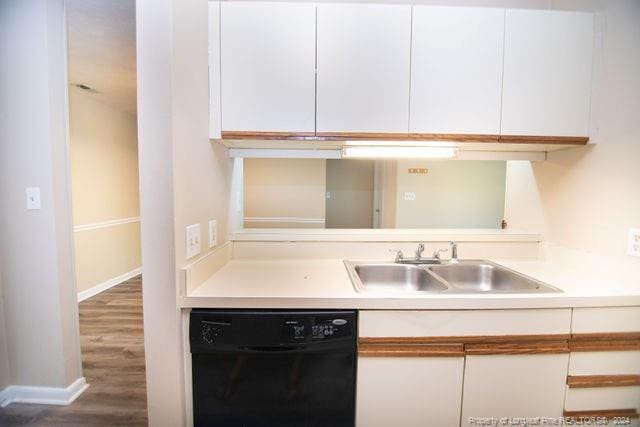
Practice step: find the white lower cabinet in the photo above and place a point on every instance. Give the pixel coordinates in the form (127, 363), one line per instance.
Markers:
(409, 391)
(513, 386)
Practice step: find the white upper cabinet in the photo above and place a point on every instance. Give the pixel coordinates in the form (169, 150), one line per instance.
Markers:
(456, 70)
(363, 67)
(547, 73)
(268, 66)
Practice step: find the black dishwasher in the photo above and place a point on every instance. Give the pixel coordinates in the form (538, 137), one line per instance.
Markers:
(273, 367)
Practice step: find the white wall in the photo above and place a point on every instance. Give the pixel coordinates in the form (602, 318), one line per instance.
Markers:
(36, 248)
(5, 371)
(104, 183)
(587, 198)
(184, 179)
(453, 194)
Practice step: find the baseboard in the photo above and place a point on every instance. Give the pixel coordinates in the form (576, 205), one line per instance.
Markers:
(95, 290)
(43, 395)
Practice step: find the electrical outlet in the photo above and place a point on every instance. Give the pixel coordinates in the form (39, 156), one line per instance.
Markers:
(192, 241)
(633, 246)
(409, 196)
(213, 233)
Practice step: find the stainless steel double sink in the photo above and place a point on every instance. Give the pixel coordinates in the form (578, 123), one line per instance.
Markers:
(464, 276)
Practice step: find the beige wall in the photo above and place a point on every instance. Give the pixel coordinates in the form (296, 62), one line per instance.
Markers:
(453, 194)
(589, 197)
(105, 253)
(36, 248)
(104, 182)
(388, 193)
(291, 190)
(350, 191)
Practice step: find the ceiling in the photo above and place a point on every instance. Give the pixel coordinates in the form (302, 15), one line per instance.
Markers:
(102, 49)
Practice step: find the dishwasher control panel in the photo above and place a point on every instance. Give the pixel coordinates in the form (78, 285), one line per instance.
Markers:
(220, 329)
(316, 328)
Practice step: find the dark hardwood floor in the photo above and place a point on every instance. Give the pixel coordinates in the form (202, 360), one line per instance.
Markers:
(112, 343)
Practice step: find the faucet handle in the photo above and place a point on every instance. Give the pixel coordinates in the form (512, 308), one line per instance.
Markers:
(399, 254)
(436, 253)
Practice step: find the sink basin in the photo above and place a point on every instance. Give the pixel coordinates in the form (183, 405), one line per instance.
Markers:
(395, 277)
(485, 276)
(466, 276)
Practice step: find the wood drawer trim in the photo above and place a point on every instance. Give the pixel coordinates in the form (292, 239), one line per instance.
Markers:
(606, 336)
(469, 345)
(471, 339)
(397, 136)
(615, 341)
(590, 381)
(429, 350)
(531, 347)
(605, 413)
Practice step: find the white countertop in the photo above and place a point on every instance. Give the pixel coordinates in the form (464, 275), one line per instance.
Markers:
(322, 283)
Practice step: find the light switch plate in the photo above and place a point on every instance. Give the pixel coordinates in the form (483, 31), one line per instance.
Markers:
(192, 241)
(33, 198)
(409, 196)
(213, 233)
(633, 246)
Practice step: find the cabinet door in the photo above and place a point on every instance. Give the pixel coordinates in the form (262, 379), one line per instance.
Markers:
(456, 70)
(268, 67)
(547, 73)
(363, 67)
(514, 386)
(409, 391)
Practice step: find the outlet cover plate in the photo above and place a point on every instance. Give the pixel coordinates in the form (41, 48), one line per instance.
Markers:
(213, 233)
(192, 241)
(633, 247)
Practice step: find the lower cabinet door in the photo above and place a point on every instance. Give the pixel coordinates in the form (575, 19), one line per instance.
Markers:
(409, 391)
(513, 386)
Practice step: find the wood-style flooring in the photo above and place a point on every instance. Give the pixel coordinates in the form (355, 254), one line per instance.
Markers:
(112, 343)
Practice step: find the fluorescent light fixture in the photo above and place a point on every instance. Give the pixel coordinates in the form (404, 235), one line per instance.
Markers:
(379, 152)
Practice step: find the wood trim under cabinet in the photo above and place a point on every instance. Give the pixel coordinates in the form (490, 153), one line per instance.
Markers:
(300, 136)
(551, 140)
(590, 381)
(398, 350)
(361, 136)
(397, 136)
(604, 413)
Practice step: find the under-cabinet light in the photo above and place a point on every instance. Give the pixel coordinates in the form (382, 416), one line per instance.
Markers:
(379, 152)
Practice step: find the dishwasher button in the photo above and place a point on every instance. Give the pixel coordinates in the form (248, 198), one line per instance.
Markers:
(339, 322)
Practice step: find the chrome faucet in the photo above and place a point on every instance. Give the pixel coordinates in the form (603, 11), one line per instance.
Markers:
(454, 252)
(437, 252)
(419, 251)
